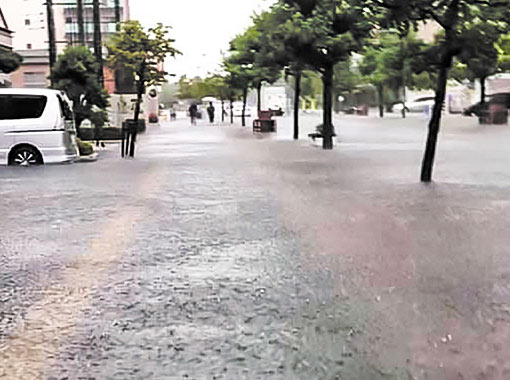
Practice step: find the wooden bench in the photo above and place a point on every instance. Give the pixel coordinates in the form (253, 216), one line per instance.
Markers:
(264, 123)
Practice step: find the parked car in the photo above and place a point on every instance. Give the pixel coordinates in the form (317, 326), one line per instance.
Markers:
(417, 105)
(36, 127)
(481, 109)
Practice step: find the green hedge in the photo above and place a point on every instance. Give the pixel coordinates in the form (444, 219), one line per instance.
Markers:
(108, 133)
(85, 148)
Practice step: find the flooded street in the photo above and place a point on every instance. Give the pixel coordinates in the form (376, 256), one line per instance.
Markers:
(216, 254)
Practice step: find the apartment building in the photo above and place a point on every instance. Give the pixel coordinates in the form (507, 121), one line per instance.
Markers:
(30, 38)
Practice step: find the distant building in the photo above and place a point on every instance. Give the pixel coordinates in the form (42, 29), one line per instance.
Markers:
(5, 44)
(35, 70)
(31, 34)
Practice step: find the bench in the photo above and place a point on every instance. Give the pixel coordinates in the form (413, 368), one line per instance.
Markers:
(264, 123)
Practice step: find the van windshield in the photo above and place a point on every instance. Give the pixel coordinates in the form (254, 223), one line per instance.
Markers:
(22, 106)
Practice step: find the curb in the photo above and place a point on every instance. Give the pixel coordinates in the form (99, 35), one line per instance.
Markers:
(90, 158)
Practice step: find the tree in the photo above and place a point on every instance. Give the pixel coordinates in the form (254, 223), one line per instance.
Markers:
(141, 52)
(217, 87)
(481, 54)
(268, 61)
(75, 73)
(326, 32)
(280, 50)
(347, 78)
(375, 70)
(9, 61)
(504, 53)
(240, 78)
(453, 18)
(250, 62)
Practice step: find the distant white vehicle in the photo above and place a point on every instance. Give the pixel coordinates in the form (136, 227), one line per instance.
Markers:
(417, 105)
(36, 127)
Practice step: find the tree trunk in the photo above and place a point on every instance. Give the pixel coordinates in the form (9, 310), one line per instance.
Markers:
(52, 48)
(243, 118)
(139, 94)
(430, 149)
(81, 23)
(231, 111)
(98, 51)
(297, 103)
(483, 89)
(259, 97)
(327, 127)
(222, 110)
(380, 95)
(77, 123)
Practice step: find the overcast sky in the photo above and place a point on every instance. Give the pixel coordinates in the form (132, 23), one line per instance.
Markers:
(201, 28)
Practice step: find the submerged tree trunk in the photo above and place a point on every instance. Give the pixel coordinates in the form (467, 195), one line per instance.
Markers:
(483, 89)
(231, 111)
(430, 149)
(77, 122)
(243, 114)
(380, 95)
(297, 103)
(327, 127)
(259, 97)
(404, 101)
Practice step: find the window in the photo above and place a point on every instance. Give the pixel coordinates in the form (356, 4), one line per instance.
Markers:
(34, 79)
(21, 106)
(27, 21)
(29, 46)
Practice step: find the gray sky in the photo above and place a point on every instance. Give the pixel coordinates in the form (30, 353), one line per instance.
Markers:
(201, 28)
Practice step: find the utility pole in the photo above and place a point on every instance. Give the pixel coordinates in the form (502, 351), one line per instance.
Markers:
(51, 34)
(81, 23)
(98, 51)
(117, 15)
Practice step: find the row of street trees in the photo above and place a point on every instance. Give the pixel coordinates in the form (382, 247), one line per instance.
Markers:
(328, 36)
(132, 49)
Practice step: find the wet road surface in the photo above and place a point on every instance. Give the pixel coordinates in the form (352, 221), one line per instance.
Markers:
(216, 254)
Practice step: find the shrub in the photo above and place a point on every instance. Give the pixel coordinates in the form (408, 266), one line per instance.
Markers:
(85, 148)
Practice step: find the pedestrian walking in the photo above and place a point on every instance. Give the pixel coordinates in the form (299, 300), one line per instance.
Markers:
(210, 112)
(193, 113)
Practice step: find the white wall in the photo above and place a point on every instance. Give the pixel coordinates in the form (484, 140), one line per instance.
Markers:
(16, 12)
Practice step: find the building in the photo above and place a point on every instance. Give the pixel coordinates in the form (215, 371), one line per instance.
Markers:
(108, 22)
(30, 39)
(5, 44)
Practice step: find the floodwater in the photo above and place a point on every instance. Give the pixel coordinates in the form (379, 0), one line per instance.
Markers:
(216, 254)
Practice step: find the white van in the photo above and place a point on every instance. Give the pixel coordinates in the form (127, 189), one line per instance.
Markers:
(36, 127)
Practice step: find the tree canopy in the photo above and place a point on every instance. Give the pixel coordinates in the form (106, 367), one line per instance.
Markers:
(9, 61)
(75, 72)
(142, 52)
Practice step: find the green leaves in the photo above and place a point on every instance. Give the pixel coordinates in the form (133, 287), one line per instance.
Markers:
(141, 51)
(9, 61)
(75, 72)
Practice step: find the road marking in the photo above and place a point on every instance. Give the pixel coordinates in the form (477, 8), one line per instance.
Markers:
(38, 339)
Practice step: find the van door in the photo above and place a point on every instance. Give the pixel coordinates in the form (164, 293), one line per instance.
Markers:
(7, 128)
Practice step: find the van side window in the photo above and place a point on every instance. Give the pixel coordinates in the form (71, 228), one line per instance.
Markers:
(65, 110)
(4, 106)
(22, 106)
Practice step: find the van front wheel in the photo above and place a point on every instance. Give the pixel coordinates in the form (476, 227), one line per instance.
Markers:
(25, 156)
